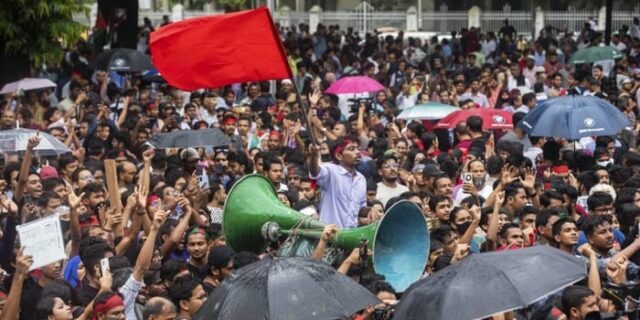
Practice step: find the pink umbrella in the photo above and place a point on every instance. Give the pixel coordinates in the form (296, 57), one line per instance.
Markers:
(356, 84)
(27, 84)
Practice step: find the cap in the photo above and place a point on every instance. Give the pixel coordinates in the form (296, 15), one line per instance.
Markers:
(431, 170)
(418, 168)
(48, 172)
(286, 81)
(537, 69)
(189, 154)
(219, 256)
(531, 57)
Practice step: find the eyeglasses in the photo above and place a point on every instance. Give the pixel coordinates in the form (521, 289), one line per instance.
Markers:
(202, 298)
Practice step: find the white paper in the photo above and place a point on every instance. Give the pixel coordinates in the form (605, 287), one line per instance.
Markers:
(42, 239)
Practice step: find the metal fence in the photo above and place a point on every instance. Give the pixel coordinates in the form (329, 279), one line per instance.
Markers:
(522, 21)
(364, 18)
(444, 22)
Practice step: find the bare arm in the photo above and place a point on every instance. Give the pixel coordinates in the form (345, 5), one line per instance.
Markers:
(12, 305)
(492, 230)
(24, 167)
(328, 232)
(146, 253)
(314, 161)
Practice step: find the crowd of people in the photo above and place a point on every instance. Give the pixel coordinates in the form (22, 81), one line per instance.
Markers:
(480, 190)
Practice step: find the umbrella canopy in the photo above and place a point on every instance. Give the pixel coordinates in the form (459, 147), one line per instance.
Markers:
(190, 138)
(123, 60)
(594, 54)
(355, 84)
(574, 117)
(152, 76)
(286, 288)
(27, 84)
(491, 118)
(427, 111)
(488, 283)
(15, 141)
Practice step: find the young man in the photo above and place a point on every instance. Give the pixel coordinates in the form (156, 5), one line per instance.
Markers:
(197, 247)
(578, 302)
(441, 206)
(188, 295)
(220, 265)
(344, 189)
(389, 186)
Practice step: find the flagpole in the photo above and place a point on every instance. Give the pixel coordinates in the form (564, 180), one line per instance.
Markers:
(314, 140)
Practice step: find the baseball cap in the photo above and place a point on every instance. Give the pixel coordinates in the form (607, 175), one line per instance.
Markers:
(431, 170)
(219, 256)
(48, 172)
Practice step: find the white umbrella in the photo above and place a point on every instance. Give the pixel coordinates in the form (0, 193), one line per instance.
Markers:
(15, 141)
(427, 111)
(27, 84)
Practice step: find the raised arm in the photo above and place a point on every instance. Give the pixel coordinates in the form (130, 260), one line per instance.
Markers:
(146, 253)
(26, 162)
(12, 304)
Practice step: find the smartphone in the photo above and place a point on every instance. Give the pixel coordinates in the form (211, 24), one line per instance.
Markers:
(104, 266)
(27, 199)
(467, 178)
(203, 179)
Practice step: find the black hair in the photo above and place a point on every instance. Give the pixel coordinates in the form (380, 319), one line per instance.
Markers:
(62, 290)
(599, 199)
(181, 289)
(494, 165)
(65, 160)
(574, 297)
(511, 189)
(474, 123)
(92, 255)
(543, 217)
(43, 200)
(589, 226)
(547, 195)
(243, 258)
(171, 268)
(91, 188)
(505, 228)
(557, 226)
(44, 307)
(267, 162)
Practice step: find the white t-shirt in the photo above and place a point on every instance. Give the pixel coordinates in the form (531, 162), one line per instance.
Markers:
(385, 193)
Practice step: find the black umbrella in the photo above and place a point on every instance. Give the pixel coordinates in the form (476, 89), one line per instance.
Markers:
(286, 288)
(190, 138)
(488, 283)
(123, 60)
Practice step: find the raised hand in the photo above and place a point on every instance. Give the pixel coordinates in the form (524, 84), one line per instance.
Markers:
(329, 231)
(23, 262)
(34, 141)
(147, 155)
(499, 200)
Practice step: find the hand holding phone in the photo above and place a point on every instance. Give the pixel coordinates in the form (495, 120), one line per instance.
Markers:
(104, 266)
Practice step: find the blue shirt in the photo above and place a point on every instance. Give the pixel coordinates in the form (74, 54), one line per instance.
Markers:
(343, 194)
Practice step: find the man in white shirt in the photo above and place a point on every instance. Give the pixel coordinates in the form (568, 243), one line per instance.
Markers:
(474, 94)
(389, 186)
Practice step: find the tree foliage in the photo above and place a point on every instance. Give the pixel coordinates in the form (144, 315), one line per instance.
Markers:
(38, 29)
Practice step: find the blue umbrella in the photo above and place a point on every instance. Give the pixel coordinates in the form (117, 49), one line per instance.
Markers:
(574, 117)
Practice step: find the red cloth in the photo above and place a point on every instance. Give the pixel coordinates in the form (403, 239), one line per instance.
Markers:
(214, 51)
(101, 308)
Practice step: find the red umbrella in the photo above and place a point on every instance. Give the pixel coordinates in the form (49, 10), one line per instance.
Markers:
(355, 84)
(491, 118)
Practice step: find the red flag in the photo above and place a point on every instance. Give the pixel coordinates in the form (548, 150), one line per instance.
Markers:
(214, 51)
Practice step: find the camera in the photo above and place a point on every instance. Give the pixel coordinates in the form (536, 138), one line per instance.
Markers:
(383, 313)
(354, 104)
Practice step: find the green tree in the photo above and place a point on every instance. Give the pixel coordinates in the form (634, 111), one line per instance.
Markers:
(35, 31)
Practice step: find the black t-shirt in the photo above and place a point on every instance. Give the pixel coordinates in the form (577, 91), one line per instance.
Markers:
(198, 272)
(31, 294)
(86, 293)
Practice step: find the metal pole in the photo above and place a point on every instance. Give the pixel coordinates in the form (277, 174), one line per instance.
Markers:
(419, 15)
(609, 21)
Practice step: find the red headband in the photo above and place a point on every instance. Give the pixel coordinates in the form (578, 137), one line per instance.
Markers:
(275, 134)
(230, 120)
(339, 148)
(561, 169)
(93, 221)
(113, 302)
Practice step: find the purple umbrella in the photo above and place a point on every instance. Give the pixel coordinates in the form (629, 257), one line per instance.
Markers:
(356, 84)
(27, 84)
